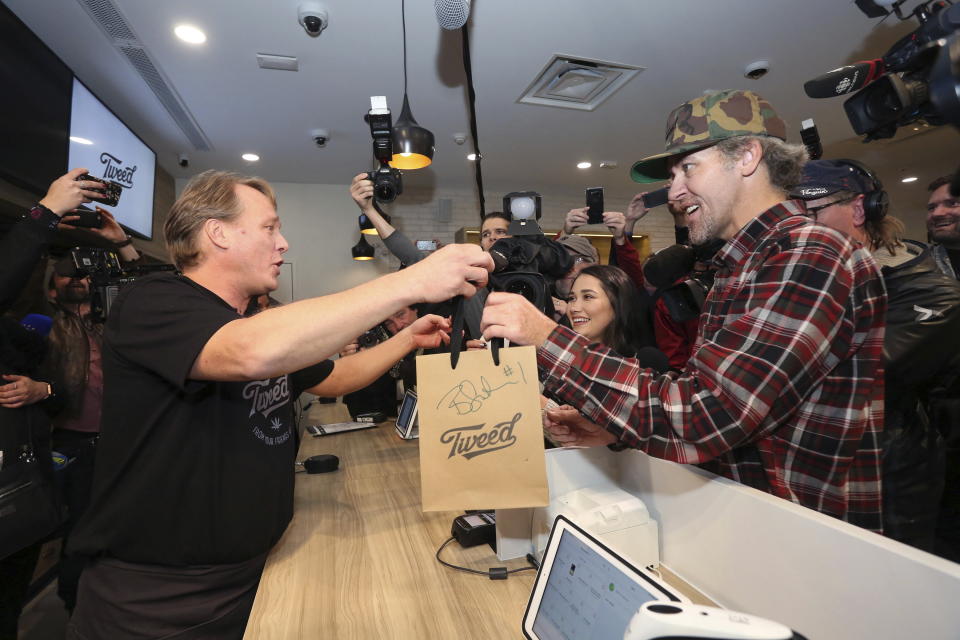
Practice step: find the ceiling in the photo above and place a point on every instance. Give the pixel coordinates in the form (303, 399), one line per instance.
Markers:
(686, 46)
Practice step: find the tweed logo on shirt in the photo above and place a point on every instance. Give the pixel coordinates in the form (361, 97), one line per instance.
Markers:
(266, 396)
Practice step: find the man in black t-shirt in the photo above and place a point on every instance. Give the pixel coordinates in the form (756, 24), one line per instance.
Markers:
(194, 476)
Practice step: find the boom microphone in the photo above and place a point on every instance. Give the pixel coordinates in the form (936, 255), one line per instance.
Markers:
(452, 14)
(848, 79)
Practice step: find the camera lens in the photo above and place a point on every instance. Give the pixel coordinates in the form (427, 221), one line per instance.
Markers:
(524, 288)
(384, 192)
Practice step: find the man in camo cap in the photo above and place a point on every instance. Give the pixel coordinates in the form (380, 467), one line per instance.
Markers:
(780, 391)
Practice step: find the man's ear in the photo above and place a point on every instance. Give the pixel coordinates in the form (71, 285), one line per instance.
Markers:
(750, 157)
(216, 232)
(859, 214)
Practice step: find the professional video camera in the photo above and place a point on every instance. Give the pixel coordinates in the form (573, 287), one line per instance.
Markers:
(917, 79)
(107, 276)
(529, 265)
(387, 181)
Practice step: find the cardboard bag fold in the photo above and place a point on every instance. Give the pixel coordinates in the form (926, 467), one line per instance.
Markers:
(481, 435)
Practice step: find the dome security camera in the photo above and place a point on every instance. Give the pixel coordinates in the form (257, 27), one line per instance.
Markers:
(756, 70)
(183, 160)
(312, 16)
(320, 137)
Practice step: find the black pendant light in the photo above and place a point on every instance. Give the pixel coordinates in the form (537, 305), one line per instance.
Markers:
(362, 250)
(412, 144)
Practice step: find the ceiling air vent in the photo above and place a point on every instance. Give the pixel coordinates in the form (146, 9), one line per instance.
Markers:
(105, 14)
(281, 63)
(577, 83)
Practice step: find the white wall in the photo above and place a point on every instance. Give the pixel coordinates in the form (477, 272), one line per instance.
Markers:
(320, 223)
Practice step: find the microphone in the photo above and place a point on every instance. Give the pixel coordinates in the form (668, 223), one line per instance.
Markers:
(954, 188)
(668, 265)
(848, 79)
(452, 14)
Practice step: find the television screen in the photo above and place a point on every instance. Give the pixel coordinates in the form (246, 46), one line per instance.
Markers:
(34, 109)
(108, 149)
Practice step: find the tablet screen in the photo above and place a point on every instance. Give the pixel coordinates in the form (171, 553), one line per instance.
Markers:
(585, 591)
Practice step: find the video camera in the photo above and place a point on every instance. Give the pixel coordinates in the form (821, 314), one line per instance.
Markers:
(107, 276)
(387, 181)
(529, 265)
(683, 277)
(917, 79)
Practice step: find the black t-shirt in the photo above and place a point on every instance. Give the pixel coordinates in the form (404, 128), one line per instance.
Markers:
(188, 472)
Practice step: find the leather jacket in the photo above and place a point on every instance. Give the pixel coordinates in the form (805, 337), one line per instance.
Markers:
(921, 355)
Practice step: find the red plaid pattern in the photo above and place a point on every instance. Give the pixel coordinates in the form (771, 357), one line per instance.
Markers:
(784, 390)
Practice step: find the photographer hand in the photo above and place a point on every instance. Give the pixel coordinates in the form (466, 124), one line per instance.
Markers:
(636, 210)
(429, 332)
(456, 269)
(361, 190)
(66, 193)
(21, 391)
(109, 230)
(511, 316)
(575, 218)
(616, 222)
(349, 349)
(565, 426)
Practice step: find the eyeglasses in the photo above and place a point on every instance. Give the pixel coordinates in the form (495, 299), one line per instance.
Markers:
(814, 211)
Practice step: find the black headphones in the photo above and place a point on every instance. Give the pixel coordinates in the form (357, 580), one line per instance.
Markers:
(876, 202)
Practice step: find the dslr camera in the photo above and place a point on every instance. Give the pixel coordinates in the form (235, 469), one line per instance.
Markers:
(373, 337)
(387, 181)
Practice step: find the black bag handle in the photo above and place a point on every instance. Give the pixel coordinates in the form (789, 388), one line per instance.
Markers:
(456, 336)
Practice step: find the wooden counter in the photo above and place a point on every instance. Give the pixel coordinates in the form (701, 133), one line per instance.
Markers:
(357, 561)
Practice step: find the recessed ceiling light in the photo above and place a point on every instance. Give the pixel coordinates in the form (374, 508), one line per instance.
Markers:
(250, 157)
(471, 156)
(910, 179)
(584, 165)
(80, 140)
(189, 33)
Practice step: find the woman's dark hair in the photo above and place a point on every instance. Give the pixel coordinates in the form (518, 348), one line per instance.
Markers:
(623, 333)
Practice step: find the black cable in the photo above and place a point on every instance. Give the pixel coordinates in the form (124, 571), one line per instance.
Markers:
(403, 21)
(494, 573)
(472, 94)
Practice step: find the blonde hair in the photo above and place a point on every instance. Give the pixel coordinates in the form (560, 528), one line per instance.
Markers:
(210, 195)
(884, 233)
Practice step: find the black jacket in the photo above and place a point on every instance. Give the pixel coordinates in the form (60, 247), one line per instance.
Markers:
(921, 354)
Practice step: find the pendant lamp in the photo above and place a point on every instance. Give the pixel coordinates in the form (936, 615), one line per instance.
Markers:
(412, 144)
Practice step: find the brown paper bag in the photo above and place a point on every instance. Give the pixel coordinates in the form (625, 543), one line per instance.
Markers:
(481, 435)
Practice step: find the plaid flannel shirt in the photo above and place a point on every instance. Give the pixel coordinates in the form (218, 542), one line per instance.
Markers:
(784, 390)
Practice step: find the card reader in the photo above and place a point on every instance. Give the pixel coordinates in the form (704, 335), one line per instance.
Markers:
(474, 528)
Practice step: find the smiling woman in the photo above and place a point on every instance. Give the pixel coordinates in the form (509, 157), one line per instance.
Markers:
(604, 307)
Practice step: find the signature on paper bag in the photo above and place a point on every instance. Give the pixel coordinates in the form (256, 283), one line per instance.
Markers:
(475, 440)
(466, 397)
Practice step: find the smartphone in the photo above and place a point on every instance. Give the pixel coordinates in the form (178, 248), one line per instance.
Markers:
(595, 205)
(111, 190)
(87, 217)
(427, 245)
(655, 198)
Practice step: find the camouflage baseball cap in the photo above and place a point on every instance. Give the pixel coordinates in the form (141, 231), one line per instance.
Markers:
(705, 121)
